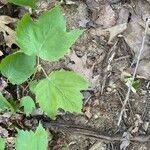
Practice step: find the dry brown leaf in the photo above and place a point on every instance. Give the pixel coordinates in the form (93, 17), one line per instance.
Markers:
(125, 141)
(87, 111)
(9, 34)
(144, 68)
(3, 1)
(113, 31)
(79, 66)
(3, 84)
(134, 36)
(106, 17)
(148, 1)
(1, 53)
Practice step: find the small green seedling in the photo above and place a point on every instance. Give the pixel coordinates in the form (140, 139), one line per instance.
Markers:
(135, 84)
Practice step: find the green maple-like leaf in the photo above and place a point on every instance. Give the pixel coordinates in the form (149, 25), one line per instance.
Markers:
(60, 90)
(2, 143)
(31, 3)
(28, 104)
(4, 104)
(29, 140)
(47, 37)
(18, 67)
(32, 85)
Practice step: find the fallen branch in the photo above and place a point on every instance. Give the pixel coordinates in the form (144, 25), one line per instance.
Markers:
(134, 74)
(76, 129)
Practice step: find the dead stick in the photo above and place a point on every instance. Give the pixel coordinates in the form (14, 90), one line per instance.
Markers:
(134, 74)
(70, 128)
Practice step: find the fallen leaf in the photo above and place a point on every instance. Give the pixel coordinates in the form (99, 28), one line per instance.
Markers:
(80, 67)
(134, 36)
(144, 68)
(125, 141)
(148, 1)
(87, 111)
(69, 2)
(3, 84)
(112, 31)
(3, 132)
(1, 53)
(106, 17)
(9, 34)
(83, 22)
(3, 1)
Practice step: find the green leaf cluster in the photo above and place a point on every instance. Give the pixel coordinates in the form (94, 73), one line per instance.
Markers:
(48, 39)
(4, 104)
(2, 143)
(30, 140)
(30, 3)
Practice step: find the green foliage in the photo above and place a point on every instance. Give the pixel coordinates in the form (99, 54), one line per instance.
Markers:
(30, 3)
(18, 67)
(65, 148)
(60, 90)
(4, 104)
(47, 37)
(2, 143)
(28, 104)
(135, 84)
(32, 86)
(30, 140)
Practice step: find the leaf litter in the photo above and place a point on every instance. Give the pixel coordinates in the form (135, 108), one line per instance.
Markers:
(132, 32)
(80, 66)
(8, 33)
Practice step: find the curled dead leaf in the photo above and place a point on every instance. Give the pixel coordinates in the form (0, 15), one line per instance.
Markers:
(9, 34)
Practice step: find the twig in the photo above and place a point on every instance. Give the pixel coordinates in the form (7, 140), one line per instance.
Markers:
(134, 74)
(108, 69)
(76, 129)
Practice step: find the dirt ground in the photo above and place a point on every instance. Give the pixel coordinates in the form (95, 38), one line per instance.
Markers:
(105, 54)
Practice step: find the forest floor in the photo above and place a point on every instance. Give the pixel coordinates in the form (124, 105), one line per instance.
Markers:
(106, 54)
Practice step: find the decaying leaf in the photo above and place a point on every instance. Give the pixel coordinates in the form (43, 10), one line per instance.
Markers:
(3, 132)
(8, 33)
(112, 31)
(3, 1)
(105, 17)
(3, 84)
(148, 1)
(87, 111)
(80, 67)
(134, 36)
(125, 140)
(1, 53)
(144, 68)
